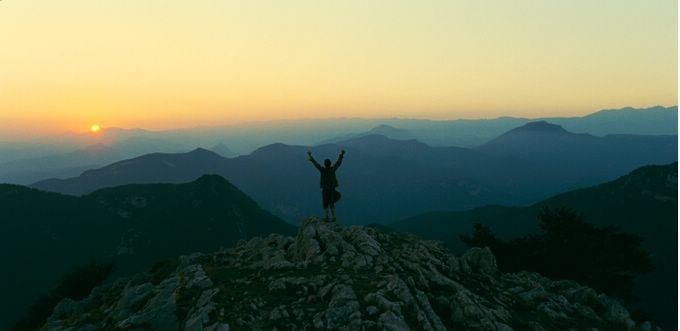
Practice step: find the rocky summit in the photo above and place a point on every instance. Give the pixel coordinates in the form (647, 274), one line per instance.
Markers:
(335, 277)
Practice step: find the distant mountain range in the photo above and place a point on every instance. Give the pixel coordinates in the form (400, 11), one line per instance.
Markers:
(656, 120)
(643, 202)
(26, 171)
(109, 148)
(385, 179)
(381, 130)
(67, 155)
(223, 150)
(44, 235)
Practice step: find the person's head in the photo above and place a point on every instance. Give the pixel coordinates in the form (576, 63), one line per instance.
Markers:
(327, 163)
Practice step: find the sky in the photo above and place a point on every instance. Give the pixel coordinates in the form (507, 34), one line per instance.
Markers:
(160, 64)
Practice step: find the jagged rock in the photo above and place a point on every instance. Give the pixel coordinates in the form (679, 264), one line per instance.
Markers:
(332, 277)
(479, 260)
(343, 309)
(159, 312)
(200, 316)
(389, 321)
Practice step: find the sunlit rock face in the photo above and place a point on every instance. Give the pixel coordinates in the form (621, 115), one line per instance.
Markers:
(334, 277)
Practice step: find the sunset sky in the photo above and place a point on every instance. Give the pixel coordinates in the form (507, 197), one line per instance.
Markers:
(157, 64)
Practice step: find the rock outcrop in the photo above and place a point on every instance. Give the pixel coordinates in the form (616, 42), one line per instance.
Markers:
(333, 277)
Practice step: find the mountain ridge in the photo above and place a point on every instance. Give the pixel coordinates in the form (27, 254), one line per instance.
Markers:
(132, 226)
(408, 174)
(469, 133)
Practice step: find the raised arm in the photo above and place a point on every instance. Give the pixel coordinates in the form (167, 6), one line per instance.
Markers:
(311, 159)
(339, 161)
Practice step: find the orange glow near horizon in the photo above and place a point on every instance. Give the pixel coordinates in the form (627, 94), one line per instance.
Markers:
(162, 64)
(94, 128)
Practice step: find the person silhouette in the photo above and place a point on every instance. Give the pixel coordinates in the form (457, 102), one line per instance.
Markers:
(328, 183)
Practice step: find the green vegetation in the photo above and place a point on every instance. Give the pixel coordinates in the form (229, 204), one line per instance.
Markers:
(75, 285)
(569, 248)
(43, 235)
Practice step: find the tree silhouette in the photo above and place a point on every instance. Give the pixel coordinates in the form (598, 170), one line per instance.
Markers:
(604, 258)
(75, 285)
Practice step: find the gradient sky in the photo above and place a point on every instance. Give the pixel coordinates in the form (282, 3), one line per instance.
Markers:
(65, 64)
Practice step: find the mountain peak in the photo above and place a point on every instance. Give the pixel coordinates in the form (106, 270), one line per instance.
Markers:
(211, 178)
(390, 131)
(202, 151)
(273, 148)
(540, 127)
(537, 137)
(214, 182)
(344, 278)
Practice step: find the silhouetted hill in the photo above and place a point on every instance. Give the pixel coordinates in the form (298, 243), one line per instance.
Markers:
(643, 202)
(561, 154)
(43, 235)
(150, 168)
(540, 141)
(538, 127)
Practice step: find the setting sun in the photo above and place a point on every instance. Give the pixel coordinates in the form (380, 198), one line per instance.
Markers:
(95, 128)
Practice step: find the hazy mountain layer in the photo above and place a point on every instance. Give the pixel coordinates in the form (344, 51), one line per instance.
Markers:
(384, 179)
(475, 132)
(63, 156)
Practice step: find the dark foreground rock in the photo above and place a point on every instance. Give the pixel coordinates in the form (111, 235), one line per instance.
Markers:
(333, 277)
